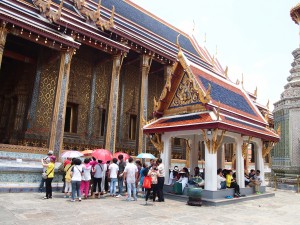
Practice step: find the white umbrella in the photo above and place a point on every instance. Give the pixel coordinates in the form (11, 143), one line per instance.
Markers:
(72, 154)
(145, 156)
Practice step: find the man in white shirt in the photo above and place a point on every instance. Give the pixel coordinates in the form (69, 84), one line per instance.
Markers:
(160, 180)
(221, 180)
(113, 175)
(130, 175)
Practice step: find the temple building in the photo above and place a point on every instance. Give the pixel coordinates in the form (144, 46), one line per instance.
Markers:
(286, 155)
(87, 74)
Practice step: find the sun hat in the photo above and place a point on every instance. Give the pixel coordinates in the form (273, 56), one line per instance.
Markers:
(50, 152)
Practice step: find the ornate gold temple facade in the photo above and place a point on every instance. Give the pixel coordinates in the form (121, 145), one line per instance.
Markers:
(83, 75)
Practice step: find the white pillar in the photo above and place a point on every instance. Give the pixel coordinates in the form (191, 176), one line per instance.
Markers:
(239, 162)
(259, 161)
(221, 157)
(166, 155)
(194, 153)
(210, 168)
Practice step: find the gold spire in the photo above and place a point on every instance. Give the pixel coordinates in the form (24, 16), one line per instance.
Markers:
(268, 104)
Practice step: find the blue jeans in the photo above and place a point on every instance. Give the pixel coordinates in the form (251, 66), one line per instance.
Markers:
(223, 184)
(113, 184)
(76, 188)
(120, 184)
(41, 188)
(131, 186)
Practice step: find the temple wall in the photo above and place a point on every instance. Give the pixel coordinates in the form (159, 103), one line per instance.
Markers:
(103, 74)
(156, 84)
(40, 126)
(128, 104)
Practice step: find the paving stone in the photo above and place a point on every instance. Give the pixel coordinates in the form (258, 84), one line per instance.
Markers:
(30, 208)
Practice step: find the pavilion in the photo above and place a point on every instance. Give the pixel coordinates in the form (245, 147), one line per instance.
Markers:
(199, 105)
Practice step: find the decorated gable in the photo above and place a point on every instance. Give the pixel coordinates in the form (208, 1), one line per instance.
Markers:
(186, 96)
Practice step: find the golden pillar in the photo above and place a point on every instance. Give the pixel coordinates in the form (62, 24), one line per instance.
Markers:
(143, 109)
(110, 140)
(3, 35)
(59, 110)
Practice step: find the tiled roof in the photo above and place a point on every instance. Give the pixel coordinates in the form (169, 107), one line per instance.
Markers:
(231, 97)
(183, 120)
(205, 121)
(137, 16)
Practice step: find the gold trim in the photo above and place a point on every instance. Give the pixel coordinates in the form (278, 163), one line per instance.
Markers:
(245, 147)
(3, 35)
(23, 149)
(157, 142)
(184, 109)
(267, 148)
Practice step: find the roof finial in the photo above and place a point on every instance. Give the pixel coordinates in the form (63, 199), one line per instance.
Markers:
(60, 8)
(242, 82)
(216, 50)
(193, 25)
(226, 72)
(205, 38)
(268, 104)
(255, 92)
(177, 42)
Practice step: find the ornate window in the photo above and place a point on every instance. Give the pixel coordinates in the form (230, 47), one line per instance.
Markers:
(177, 141)
(132, 127)
(71, 118)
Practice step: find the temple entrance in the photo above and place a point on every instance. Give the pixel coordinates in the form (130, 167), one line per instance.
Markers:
(17, 76)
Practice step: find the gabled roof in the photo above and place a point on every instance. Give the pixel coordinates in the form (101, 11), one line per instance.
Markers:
(195, 98)
(208, 120)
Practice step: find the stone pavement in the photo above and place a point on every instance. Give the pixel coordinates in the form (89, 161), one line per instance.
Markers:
(30, 208)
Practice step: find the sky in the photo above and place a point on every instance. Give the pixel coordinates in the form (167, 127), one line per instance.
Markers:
(254, 38)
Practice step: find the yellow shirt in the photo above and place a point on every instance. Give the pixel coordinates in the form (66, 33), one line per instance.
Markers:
(68, 169)
(50, 170)
(228, 180)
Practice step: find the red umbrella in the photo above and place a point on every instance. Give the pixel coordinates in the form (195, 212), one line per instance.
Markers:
(102, 154)
(125, 155)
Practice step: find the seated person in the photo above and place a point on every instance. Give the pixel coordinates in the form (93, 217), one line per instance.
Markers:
(256, 181)
(221, 180)
(247, 178)
(231, 183)
(197, 172)
(184, 178)
(251, 174)
(173, 175)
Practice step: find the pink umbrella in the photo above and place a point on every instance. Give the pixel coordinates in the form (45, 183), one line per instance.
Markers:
(102, 154)
(125, 155)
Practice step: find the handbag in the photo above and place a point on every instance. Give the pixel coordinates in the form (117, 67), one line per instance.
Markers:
(45, 175)
(147, 182)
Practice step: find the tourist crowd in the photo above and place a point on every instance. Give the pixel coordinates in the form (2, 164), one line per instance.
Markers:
(94, 178)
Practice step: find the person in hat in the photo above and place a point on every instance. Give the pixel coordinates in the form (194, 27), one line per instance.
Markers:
(45, 160)
(50, 174)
